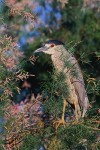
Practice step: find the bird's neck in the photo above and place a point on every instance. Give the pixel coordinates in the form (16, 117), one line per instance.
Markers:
(57, 57)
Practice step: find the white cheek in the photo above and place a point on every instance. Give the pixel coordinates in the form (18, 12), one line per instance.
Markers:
(47, 45)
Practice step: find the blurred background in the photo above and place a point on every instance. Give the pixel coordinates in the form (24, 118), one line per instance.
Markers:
(74, 22)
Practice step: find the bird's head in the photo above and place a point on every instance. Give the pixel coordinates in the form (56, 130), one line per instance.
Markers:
(49, 47)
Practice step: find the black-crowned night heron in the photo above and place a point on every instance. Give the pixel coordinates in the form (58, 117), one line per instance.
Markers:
(65, 62)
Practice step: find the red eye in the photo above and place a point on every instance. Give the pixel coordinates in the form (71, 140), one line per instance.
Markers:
(52, 45)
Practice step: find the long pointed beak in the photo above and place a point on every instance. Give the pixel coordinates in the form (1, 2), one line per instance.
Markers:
(42, 49)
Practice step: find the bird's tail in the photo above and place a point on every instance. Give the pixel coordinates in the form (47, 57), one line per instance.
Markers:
(85, 106)
(82, 95)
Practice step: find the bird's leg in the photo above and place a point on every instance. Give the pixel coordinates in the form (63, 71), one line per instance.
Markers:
(77, 110)
(62, 120)
(63, 113)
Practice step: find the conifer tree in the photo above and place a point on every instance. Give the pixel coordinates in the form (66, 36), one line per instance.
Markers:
(79, 31)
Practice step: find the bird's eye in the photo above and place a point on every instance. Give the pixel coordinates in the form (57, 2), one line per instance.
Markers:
(52, 45)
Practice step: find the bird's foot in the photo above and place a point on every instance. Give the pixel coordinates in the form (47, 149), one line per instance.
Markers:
(58, 123)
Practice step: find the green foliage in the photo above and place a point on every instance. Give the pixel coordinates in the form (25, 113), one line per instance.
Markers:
(77, 137)
(56, 89)
(80, 31)
(72, 19)
(30, 142)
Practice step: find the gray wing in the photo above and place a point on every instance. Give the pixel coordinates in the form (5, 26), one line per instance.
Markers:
(79, 85)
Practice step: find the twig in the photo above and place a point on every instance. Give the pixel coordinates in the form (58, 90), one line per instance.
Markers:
(91, 128)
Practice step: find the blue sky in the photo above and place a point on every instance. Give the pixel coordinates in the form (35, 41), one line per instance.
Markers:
(46, 13)
(48, 16)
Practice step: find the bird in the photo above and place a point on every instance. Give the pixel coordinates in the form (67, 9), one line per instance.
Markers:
(64, 61)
